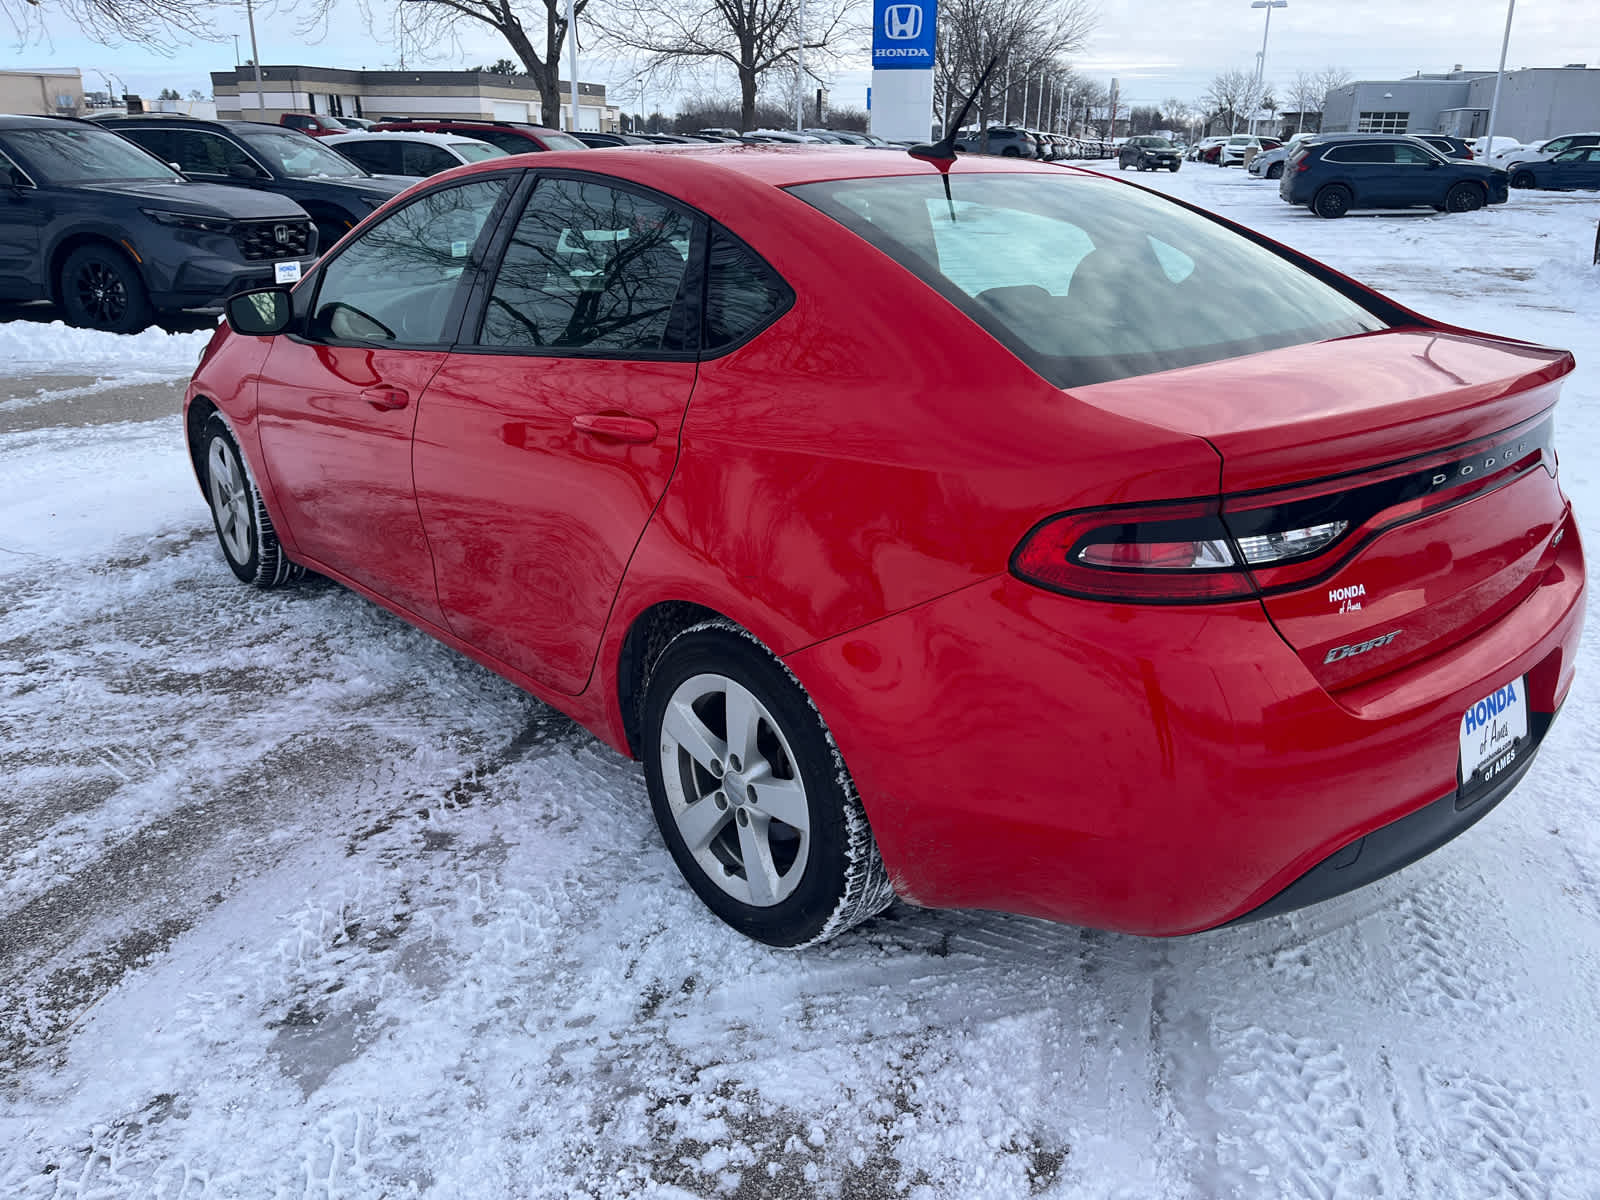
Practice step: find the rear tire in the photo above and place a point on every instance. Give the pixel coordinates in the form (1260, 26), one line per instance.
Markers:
(244, 528)
(751, 795)
(101, 289)
(1524, 179)
(1464, 197)
(1332, 202)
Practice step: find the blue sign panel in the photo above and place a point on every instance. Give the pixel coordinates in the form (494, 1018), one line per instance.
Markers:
(902, 34)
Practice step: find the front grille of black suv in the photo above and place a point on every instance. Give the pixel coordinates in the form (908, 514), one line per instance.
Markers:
(273, 239)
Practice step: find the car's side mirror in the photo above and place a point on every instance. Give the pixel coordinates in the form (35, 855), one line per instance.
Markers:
(263, 312)
(241, 170)
(1434, 164)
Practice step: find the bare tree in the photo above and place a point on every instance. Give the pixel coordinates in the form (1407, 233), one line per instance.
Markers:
(754, 37)
(1032, 39)
(536, 33)
(160, 25)
(1327, 79)
(1231, 93)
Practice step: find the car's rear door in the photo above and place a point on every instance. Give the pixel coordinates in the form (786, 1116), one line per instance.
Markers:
(24, 212)
(543, 446)
(338, 399)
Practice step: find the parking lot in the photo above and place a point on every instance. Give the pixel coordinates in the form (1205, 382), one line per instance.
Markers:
(295, 901)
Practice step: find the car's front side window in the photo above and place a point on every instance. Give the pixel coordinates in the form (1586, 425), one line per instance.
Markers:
(399, 282)
(595, 268)
(200, 153)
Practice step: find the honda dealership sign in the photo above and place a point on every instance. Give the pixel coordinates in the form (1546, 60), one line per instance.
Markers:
(903, 33)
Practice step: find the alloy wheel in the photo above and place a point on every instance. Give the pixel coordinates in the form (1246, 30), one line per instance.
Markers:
(102, 292)
(734, 790)
(230, 499)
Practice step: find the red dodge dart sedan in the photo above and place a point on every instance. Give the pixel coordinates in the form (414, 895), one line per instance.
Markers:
(983, 533)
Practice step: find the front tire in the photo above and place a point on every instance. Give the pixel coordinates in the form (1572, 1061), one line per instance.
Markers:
(751, 795)
(1464, 197)
(244, 528)
(1332, 202)
(1275, 171)
(101, 289)
(1174, 168)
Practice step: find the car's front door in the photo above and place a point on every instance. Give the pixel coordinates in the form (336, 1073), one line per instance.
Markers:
(24, 212)
(1415, 178)
(339, 398)
(542, 449)
(1578, 168)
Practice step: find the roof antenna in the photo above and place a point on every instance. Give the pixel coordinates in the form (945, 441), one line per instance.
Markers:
(945, 148)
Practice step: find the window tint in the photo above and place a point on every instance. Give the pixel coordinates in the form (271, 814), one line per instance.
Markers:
(396, 282)
(197, 153)
(12, 175)
(742, 292)
(1092, 286)
(1413, 156)
(380, 156)
(1380, 152)
(420, 158)
(591, 267)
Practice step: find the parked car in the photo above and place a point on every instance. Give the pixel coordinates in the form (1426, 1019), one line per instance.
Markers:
(115, 236)
(1331, 174)
(267, 158)
(412, 153)
(514, 137)
(1259, 609)
(606, 140)
(1510, 160)
(1148, 154)
(1004, 140)
(317, 124)
(1198, 151)
(1269, 163)
(1233, 151)
(1447, 144)
(1571, 170)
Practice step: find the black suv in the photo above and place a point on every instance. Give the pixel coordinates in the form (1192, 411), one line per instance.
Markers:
(267, 158)
(1148, 154)
(114, 236)
(1333, 173)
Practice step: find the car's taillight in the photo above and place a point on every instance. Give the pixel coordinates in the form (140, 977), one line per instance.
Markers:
(1239, 547)
(1302, 165)
(1176, 553)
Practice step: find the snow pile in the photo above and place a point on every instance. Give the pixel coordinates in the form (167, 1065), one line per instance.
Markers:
(60, 348)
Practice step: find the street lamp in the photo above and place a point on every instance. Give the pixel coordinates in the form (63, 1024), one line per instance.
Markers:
(1261, 59)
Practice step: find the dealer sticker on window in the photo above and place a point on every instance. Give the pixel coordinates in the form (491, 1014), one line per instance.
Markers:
(1493, 732)
(287, 272)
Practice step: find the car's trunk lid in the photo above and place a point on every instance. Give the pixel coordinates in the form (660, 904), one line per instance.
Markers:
(1424, 458)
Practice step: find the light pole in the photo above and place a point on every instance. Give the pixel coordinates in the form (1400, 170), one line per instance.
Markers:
(800, 70)
(1261, 60)
(255, 55)
(1494, 102)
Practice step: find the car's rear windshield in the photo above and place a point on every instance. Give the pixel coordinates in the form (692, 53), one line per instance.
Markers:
(79, 154)
(1086, 279)
(476, 151)
(561, 141)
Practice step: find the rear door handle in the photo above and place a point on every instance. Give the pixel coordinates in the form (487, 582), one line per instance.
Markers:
(386, 398)
(615, 427)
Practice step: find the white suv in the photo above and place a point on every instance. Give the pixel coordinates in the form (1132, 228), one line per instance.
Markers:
(1510, 160)
(414, 154)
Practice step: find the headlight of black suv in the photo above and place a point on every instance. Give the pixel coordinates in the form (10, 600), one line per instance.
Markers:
(188, 220)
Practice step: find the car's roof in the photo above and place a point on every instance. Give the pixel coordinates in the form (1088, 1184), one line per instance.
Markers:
(410, 135)
(421, 123)
(771, 164)
(165, 119)
(25, 121)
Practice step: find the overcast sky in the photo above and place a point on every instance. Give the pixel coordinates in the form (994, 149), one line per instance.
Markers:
(1156, 49)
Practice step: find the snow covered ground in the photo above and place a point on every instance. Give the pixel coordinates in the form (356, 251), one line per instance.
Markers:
(296, 902)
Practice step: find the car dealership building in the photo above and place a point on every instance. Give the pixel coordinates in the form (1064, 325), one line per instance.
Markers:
(466, 95)
(1535, 102)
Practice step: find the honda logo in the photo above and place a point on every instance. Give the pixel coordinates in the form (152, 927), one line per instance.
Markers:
(282, 233)
(902, 22)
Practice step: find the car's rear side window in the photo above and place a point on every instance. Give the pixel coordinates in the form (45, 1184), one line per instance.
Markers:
(1087, 280)
(743, 294)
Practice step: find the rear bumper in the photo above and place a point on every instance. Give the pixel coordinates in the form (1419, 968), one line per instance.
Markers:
(1153, 770)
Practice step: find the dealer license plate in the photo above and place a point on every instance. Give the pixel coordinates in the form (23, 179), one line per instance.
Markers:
(1494, 733)
(287, 272)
